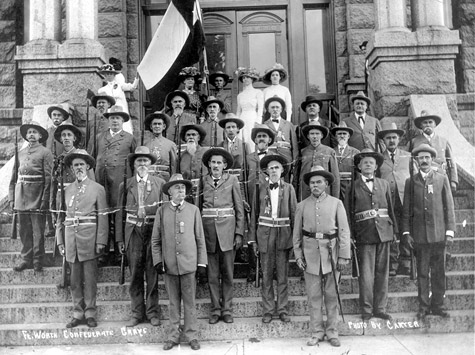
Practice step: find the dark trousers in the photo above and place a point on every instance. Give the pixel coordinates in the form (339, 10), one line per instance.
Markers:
(221, 266)
(139, 255)
(430, 260)
(374, 275)
(84, 288)
(399, 253)
(32, 235)
(277, 260)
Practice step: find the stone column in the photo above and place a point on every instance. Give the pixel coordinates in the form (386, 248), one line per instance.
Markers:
(43, 18)
(81, 19)
(390, 15)
(427, 13)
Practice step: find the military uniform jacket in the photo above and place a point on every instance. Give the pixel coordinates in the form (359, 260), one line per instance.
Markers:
(222, 229)
(345, 160)
(285, 133)
(378, 229)
(236, 150)
(180, 245)
(51, 143)
(97, 124)
(152, 197)
(225, 96)
(327, 215)
(363, 138)
(396, 173)
(165, 151)
(213, 131)
(36, 163)
(252, 167)
(433, 212)
(173, 132)
(444, 155)
(286, 208)
(329, 140)
(85, 199)
(191, 166)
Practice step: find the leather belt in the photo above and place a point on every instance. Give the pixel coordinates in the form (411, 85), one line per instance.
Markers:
(135, 220)
(217, 212)
(281, 144)
(369, 214)
(274, 222)
(30, 178)
(77, 221)
(319, 235)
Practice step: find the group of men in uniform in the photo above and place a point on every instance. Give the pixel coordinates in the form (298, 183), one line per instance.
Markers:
(185, 201)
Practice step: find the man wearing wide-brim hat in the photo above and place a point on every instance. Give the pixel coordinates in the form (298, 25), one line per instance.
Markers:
(428, 228)
(312, 106)
(163, 148)
(232, 125)
(175, 104)
(315, 154)
(395, 169)
(285, 141)
(222, 211)
(143, 191)
(374, 229)
(365, 127)
(273, 77)
(29, 194)
(344, 156)
(444, 162)
(272, 234)
(214, 132)
(97, 122)
(219, 80)
(179, 252)
(58, 114)
(85, 231)
(321, 239)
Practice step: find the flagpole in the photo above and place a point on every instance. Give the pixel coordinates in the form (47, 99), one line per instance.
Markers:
(205, 55)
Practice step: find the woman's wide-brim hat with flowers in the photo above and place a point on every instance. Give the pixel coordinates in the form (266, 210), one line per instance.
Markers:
(187, 72)
(276, 67)
(107, 68)
(252, 73)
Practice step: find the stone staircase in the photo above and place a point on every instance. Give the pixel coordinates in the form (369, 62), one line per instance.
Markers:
(33, 311)
(10, 123)
(466, 115)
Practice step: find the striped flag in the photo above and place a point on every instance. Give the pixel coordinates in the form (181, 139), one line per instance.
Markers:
(177, 43)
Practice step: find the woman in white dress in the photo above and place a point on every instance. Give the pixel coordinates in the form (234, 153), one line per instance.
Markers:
(250, 104)
(273, 77)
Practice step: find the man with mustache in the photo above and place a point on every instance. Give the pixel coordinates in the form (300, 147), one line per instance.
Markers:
(179, 252)
(214, 132)
(32, 194)
(321, 240)
(143, 197)
(85, 236)
(98, 123)
(219, 80)
(272, 235)
(312, 107)
(58, 114)
(232, 125)
(444, 161)
(175, 104)
(223, 222)
(428, 228)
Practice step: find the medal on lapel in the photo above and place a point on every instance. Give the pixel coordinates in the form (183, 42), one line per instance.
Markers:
(430, 189)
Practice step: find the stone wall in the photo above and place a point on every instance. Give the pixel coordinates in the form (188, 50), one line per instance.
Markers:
(464, 21)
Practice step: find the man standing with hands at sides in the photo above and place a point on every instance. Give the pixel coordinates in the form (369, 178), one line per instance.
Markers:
(32, 191)
(223, 223)
(214, 132)
(277, 203)
(143, 195)
(179, 251)
(85, 236)
(219, 80)
(98, 123)
(321, 238)
(176, 102)
(428, 228)
(232, 143)
(374, 230)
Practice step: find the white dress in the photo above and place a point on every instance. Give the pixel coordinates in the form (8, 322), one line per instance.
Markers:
(282, 92)
(250, 104)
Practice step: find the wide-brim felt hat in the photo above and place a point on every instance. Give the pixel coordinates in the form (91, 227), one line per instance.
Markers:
(157, 114)
(367, 152)
(59, 108)
(390, 128)
(176, 179)
(231, 117)
(272, 99)
(275, 157)
(308, 100)
(424, 148)
(96, 98)
(341, 127)
(265, 129)
(141, 151)
(76, 131)
(213, 100)
(33, 124)
(180, 93)
(307, 128)
(361, 96)
(196, 127)
(277, 67)
(425, 116)
(81, 154)
(218, 151)
(319, 171)
(117, 110)
(218, 74)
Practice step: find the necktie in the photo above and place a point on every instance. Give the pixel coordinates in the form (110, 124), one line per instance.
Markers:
(274, 185)
(392, 157)
(275, 120)
(369, 180)
(341, 150)
(141, 188)
(230, 146)
(262, 153)
(361, 120)
(216, 182)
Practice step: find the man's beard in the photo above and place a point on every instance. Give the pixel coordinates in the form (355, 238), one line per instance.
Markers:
(342, 141)
(428, 130)
(261, 145)
(142, 171)
(177, 111)
(191, 147)
(80, 175)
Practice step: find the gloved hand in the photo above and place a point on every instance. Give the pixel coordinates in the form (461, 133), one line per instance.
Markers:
(409, 241)
(121, 247)
(160, 269)
(237, 241)
(255, 248)
(202, 271)
(247, 208)
(61, 249)
(100, 248)
(301, 264)
(340, 265)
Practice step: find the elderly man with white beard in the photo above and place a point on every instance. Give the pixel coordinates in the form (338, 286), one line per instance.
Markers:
(176, 102)
(214, 132)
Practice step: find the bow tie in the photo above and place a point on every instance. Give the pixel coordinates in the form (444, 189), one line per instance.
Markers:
(216, 180)
(275, 120)
(369, 180)
(273, 186)
(262, 153)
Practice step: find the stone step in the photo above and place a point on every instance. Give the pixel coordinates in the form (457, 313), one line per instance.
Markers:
(242, 307)
(468, 132)
(464, 200)
(108, 332)
(112, 291)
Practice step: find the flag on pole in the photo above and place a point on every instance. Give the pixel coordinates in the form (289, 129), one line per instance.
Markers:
(177, 43)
